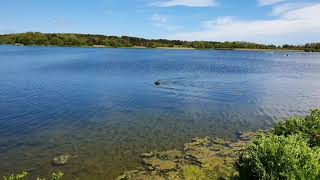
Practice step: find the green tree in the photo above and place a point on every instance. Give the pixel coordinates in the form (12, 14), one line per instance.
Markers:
(56, 41)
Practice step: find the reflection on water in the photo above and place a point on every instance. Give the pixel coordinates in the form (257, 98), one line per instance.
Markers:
(102, 106)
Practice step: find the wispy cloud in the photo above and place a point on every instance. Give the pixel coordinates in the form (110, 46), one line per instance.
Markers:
(59, 22)
(189, 3)
(293, 25)
(280, 9)
(270, 2)
(162, 21)
(158, 19)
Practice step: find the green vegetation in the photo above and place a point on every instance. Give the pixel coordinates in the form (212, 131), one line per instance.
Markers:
(313, 47)
(24, 176)
(308, 128)
(57, 175)
(87, 40)
(280, 157)
(290, 151)
(191, 172)
(21, 176)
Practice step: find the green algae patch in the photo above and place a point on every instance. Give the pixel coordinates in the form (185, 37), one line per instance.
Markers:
(201, 159)
(159, 164)
(191, 172)
(170, 155)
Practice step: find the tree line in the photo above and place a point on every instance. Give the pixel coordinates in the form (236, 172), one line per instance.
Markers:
(85, 40)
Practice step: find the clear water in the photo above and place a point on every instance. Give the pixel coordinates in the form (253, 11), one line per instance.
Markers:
(101, 105)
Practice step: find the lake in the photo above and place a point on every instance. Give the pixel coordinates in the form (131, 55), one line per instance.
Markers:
(102, 107)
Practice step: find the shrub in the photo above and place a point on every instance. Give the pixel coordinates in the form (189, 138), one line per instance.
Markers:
(290, 126)
(308, 127)
(279, 157)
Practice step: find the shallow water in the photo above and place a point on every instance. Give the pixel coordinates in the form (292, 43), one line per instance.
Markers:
(101, 105)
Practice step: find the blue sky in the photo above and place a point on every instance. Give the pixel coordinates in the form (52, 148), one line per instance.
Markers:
(262, 21)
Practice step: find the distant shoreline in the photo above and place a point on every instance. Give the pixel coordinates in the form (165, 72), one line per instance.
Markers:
(103, 41)
(268, 50)
(163, 48)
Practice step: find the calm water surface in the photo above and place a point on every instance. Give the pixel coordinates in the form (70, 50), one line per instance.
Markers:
(101, 105)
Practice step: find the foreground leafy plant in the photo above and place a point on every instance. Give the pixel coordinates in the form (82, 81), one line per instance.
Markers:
(55, 176)
(308, 127)
(21, 176)
(279, 157)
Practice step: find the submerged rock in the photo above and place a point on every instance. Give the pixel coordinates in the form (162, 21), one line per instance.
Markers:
(197, 142)
(146, 155)
(246, 136)
(170, 155)
(142, 175)
(159, 164)
(220, 141)
(239, 145)
(198, 154)
(61, 160)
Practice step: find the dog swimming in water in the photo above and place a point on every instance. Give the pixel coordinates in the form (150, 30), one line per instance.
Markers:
(157, 83)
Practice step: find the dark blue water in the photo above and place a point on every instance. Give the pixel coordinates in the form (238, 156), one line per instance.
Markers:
(101, 105)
